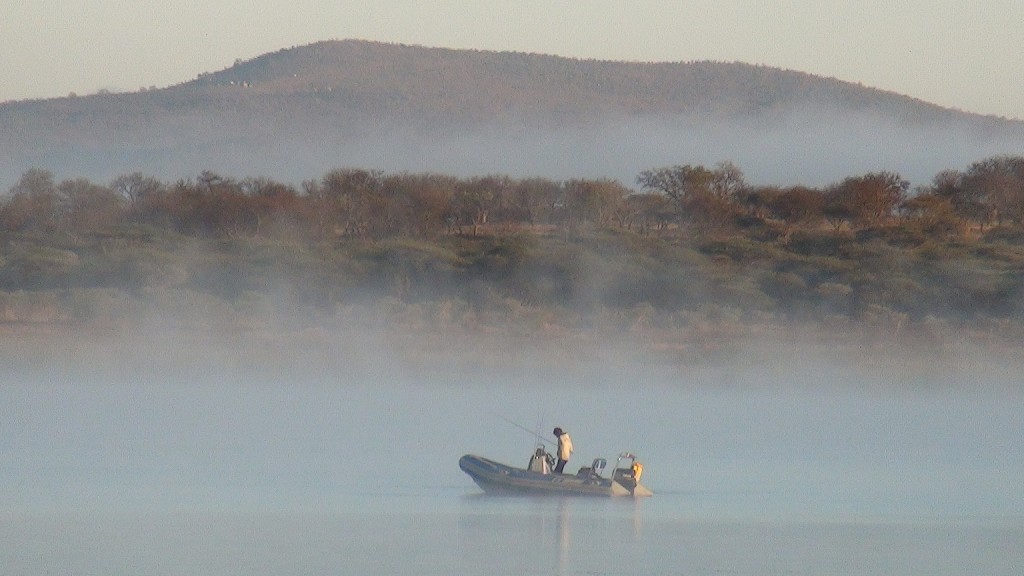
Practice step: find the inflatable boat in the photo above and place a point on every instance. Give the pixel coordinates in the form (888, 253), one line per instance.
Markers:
(538, 477)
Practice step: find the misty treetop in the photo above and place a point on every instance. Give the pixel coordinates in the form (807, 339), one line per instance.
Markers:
(687, 240)
(370, 204)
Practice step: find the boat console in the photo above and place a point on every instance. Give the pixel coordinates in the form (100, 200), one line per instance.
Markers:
(541, 461)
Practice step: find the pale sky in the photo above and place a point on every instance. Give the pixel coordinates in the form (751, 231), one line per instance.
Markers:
(966, 54)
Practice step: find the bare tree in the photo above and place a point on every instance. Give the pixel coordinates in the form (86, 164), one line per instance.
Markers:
(595, 201)
(680, 183)
(535, 199)
(798, 206)
(33, 204)
(867, 200)
(702, 196)
(345, 202)
(997, 185)
(473, 201)
(136, 186)
(89, 207)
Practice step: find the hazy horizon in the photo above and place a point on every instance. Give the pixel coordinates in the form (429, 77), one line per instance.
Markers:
(805, 148)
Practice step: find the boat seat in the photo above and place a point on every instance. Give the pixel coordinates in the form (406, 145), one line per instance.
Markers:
(595, 469)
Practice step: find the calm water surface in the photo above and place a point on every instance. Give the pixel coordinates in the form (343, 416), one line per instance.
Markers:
(467, 534)
(225, 476)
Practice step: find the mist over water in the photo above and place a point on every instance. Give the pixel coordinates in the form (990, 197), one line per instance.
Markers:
(341, 458)
(809, 147)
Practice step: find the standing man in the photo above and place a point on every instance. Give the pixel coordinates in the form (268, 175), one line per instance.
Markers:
(564, 449)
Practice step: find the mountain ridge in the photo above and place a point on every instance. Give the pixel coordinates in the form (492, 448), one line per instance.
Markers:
(677, 83)
(404, 107)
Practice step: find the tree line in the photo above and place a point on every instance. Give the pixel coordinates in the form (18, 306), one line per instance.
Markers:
(370, 204)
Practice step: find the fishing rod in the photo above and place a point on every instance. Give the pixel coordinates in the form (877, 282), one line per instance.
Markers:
(525, 429)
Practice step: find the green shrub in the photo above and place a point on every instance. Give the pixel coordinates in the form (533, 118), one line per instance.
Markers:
(36, 267)
(900, 236)
(1005, 235)
(819, 243)
(739, 249)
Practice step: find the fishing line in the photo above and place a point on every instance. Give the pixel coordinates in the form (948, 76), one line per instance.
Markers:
(525, 429)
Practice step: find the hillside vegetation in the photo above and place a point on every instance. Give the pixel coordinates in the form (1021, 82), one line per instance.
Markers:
(693, 257)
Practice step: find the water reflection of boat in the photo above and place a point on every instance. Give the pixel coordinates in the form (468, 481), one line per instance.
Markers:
(538, 478)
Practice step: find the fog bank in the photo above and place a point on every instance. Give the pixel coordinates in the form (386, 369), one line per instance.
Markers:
(813, 148)
(180, 422)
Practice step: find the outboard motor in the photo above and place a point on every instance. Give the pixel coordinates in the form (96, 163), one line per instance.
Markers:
(628, 477)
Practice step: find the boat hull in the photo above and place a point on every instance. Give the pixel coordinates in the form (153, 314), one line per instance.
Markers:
(497, 478)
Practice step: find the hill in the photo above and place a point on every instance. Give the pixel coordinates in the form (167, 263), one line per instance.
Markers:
(297, 113)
